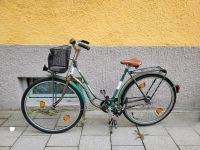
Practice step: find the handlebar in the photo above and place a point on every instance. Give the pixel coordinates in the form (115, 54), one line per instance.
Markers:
(82, 43)
(77, 46)
(84, 46)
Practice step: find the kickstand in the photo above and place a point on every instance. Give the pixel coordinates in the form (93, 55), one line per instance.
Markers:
(112, 123)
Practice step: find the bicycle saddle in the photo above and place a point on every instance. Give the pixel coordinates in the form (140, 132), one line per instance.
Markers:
(133, 62)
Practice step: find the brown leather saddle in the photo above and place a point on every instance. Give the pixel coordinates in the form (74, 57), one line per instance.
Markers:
(133, 62)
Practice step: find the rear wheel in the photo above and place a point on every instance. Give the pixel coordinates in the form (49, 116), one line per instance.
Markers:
(37, 107)
(152, 110)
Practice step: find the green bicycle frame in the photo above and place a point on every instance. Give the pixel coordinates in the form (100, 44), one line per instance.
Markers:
(86, 87)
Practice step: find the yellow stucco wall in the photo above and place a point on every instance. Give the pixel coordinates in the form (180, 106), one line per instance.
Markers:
(103, 22)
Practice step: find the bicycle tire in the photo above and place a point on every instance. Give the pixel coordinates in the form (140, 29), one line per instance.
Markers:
(30, 121)
(172, 104)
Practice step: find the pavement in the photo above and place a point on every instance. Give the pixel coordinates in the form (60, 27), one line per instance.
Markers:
(179, 131)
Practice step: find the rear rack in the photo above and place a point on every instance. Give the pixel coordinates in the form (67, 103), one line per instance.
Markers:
(148, 69)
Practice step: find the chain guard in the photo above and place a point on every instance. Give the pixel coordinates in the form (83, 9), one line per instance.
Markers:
(104, 106)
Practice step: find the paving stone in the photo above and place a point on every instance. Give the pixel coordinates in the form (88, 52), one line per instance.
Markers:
(68, 138)
(5, 114)
(16, 120)
(96, 127)
(49, 123)
(159, 143)
(32, 131)
(184, 135)
(30, 143)
(196, 127)
(128, 148)
(189, 147)
(1, 121)
(95, 143)
(8, 138)
(178, 119)
(96, 114)
(4, 148)
(61, 148)
(124, 122)
(125, 136)
(153, 130)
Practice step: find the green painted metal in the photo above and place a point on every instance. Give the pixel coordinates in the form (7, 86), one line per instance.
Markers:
(124, 74)
(88, 89)
(60, 77)
(115, 95)
(75, 85)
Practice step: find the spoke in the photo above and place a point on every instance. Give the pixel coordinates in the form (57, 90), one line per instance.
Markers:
(151, 86)
(137, 100)
(134, 97)
(160, 95)
(128, 107)
(156, 88)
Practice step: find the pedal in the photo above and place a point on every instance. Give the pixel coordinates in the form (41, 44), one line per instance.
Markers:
(103, 92)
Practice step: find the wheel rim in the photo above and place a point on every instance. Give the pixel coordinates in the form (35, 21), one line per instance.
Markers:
(160, 105)
(39, 110)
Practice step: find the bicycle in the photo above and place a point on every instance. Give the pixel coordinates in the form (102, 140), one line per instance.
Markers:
(56, 104)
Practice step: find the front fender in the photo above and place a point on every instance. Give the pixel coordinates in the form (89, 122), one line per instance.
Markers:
(75, 85)
(78, 88)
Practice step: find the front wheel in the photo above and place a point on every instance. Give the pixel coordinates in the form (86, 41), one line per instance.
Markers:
(37, 106)
(161, 98)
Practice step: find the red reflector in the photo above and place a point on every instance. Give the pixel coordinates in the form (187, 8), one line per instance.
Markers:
(177, 88)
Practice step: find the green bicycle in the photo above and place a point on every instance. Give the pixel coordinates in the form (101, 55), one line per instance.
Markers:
(56, 104)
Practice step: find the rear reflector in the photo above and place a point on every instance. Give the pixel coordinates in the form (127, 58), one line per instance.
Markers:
(177, 88)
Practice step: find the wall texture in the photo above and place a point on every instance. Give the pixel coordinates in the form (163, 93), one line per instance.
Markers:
(161, 32)
(103, 22)
(102, 69)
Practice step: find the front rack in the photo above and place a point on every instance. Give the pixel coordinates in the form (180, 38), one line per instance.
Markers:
(148, 69)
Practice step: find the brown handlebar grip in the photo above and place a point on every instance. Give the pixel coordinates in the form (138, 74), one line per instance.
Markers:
(72, 41)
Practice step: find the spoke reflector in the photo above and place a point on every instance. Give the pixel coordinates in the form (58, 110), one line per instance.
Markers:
(159, 110)
(42, 104)
(142, 85)
(66, 117)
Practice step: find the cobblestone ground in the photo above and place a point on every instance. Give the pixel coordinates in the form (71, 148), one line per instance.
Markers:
(179, 131)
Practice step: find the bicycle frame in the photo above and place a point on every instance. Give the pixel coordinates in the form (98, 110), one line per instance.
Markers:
(91, 95)
(86, 87)
(126, 95)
